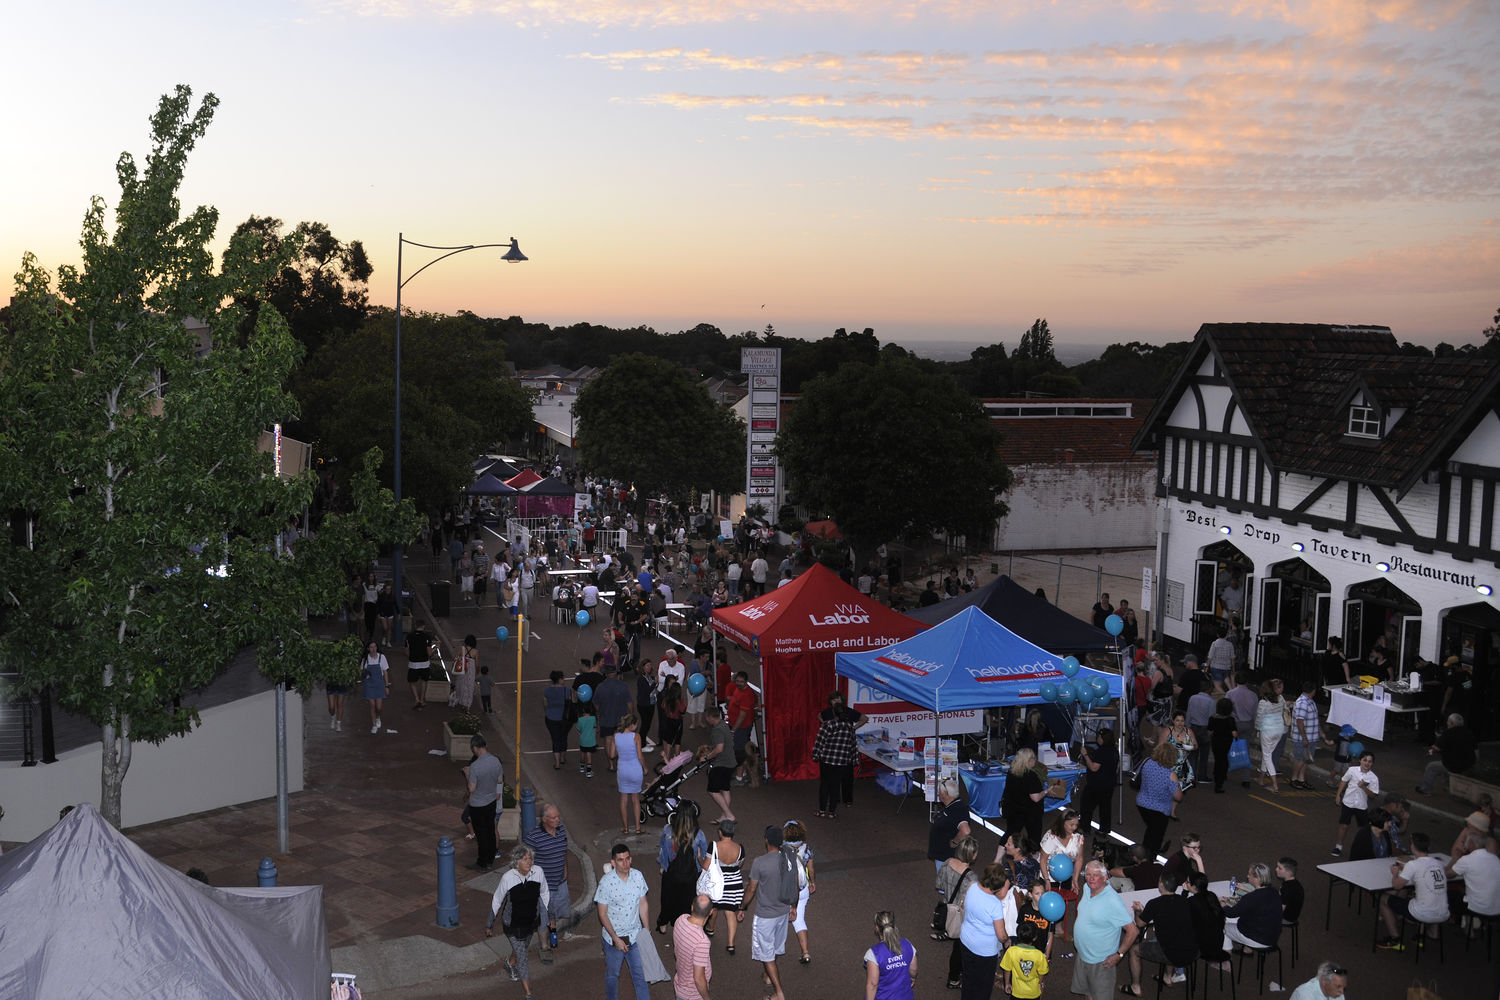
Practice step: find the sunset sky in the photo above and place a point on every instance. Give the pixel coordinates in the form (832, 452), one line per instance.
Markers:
(938, 171)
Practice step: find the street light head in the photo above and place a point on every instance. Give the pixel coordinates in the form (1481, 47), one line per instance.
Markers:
(514, 254)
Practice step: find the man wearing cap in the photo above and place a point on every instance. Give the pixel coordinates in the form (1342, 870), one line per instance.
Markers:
(769, 925)
(484, 776)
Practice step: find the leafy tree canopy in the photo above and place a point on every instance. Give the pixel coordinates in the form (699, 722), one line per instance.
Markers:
(647, 421)
(321, 286)
(457, 399)
(1036, 344)
(888, 450)
(154, 552)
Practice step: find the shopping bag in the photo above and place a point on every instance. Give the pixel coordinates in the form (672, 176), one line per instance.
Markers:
(1416, 991)
(652, 967)
(1239, 756)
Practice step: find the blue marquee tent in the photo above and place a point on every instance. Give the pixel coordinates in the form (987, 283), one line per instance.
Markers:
(969, 661)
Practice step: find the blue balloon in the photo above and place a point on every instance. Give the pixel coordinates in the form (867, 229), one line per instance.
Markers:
(1114, 624)
(1066, 692)
(1053, 906)
(1347, 731)
(502, 633)
(1048, 691)
(582, 618)
(1061, 867)
(1356, 749)
(1070, 667)
(697, 684)
(585, 692)
(1100, 686)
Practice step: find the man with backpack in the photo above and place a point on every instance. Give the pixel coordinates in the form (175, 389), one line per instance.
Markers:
(773, 891)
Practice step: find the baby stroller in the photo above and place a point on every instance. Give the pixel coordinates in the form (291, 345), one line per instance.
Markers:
(662, 795)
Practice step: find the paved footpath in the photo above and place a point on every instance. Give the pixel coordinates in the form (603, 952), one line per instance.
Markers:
(374, 807)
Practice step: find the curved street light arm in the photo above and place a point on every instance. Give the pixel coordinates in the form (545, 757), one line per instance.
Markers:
(451, 252)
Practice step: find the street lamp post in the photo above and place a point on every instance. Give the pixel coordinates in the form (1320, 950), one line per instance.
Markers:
(512, 255)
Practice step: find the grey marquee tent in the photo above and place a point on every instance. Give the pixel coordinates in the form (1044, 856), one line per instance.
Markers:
(88, 914)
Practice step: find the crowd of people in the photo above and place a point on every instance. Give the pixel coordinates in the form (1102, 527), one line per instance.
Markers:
(1188, 718)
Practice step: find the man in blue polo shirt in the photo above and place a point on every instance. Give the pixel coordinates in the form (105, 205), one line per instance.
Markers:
(1104, 932)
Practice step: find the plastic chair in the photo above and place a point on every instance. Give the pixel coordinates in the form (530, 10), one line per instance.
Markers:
(1208, 962)
(1293, 926)
(1486, 921)
(1421, 944)
(1261, 954)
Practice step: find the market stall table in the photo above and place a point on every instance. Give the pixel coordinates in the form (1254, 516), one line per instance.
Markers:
(1367, 717)
(986, 790)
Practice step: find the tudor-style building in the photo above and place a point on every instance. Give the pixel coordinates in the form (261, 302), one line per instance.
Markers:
(1315, 481)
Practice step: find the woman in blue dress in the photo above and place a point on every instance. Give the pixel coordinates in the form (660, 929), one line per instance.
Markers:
(629, 772)
(375, 671)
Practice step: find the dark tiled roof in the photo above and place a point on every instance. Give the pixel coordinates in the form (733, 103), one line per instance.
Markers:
(1294, 382)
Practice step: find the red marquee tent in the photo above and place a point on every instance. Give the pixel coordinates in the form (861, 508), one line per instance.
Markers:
(796, 630)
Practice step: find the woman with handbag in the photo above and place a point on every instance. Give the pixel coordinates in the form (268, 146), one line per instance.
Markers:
(465, 669)
(1157, 793)
(1270, 725)
(953, 880)
(795, 835)
(730, 856)
(1222, 732)
(681, 860)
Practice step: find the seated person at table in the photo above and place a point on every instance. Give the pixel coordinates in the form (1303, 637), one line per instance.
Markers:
(1186, 859)
(1208, 921)
(1373, 840)
(1292, 895)
(1254, 921)
(1480, 871)
(1429, 900)
(1176, 941)
(1142, 872)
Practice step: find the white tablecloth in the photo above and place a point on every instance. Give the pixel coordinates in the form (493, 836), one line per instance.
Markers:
(1361, 713)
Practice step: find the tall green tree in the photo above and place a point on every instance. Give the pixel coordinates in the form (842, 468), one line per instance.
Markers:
(1036, 344)
(457, 399)
(156, 525)
(646, 421)
(321, 284)
(889, 450)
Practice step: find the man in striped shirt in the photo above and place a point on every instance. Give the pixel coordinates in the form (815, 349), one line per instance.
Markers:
(548, 841)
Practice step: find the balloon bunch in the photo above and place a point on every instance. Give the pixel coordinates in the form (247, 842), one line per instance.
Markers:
(1087, 692)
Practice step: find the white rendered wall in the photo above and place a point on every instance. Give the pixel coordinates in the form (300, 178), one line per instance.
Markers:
(230, 758)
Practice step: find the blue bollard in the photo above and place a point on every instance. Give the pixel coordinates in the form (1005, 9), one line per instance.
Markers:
(266, 874)
(447, 904)
(528, 811)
